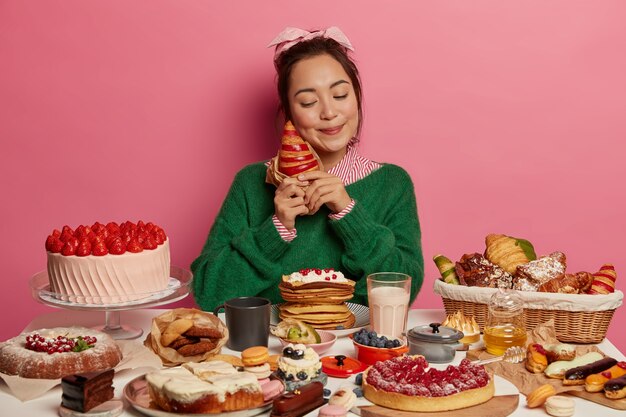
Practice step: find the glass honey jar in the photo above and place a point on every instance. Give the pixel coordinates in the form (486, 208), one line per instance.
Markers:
(504, 327)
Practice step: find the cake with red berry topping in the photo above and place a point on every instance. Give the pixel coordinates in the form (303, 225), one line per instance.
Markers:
(57, 352)
(108, 264)
(407, 383)
(317, 296)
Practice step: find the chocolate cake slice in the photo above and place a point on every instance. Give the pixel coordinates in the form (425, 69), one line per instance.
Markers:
(82, 392)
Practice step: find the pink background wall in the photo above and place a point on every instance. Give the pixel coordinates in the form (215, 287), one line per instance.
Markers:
(509, 116)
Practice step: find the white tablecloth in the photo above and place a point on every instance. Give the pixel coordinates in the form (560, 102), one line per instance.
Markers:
(48, 404)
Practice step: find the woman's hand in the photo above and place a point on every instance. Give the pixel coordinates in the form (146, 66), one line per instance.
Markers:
(324, 188)
(289, 201)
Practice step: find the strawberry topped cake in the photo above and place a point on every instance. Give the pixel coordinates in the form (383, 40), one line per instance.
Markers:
(406, 383)
(105, 264)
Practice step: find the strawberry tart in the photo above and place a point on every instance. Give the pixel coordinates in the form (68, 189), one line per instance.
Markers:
(405, 383)
(107, 264)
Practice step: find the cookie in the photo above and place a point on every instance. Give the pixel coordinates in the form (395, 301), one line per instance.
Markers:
(183, 341)
(232, 359)
(174, 330)
(196, 348)
(206, 332)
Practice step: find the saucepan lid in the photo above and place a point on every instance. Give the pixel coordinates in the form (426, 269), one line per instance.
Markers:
(435, 333)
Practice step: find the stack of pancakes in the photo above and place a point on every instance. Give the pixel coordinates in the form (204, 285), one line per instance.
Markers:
(318, 299)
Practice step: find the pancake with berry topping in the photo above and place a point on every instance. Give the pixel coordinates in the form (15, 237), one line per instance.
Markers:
(406, 383)
(317, 278)
(54, 353)
(317, 296)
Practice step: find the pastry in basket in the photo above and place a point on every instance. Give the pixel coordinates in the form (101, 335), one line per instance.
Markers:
(474, 270)
(603, 280)
(531, 275)
(536, 359)
(595, 382)
(406, 383)
(467, 325)
(295, 156)
(57, 352)
(186, 335)
(180, 391)
(508, 252)
(446, 269)
(577, 283)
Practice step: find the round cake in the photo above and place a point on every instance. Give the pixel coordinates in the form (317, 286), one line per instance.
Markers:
(186, 390)
(60, 351)
(405, 383)
(109, 264)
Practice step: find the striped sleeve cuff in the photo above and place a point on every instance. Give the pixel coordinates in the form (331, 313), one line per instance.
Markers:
(286, 234)
(338, 216)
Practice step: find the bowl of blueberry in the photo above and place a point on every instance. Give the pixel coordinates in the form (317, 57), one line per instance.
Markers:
(371, 347)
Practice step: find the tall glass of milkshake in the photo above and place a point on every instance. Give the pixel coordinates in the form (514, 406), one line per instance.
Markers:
(388, 294)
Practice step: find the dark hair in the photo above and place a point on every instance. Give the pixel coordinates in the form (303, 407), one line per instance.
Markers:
(307, 49)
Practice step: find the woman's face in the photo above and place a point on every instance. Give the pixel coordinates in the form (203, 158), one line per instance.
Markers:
(323, 106)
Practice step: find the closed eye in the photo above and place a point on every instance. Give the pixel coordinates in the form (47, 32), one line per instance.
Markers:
(308, 104)
(341, 97)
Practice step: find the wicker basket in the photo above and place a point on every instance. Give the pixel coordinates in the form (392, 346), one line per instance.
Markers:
(578, 318)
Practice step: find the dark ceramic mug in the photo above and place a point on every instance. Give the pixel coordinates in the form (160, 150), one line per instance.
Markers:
(248, 321)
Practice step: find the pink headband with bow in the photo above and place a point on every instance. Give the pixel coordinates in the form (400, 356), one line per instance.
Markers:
(291, 36)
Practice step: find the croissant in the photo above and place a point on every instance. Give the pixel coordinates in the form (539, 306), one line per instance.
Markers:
(568, 283)
(508, 252)
(603, 280)
(294, 157)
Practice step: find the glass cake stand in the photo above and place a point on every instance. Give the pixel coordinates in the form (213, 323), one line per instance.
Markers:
(178, 288)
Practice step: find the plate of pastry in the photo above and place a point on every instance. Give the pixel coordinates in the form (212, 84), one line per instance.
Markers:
(138, 393)
(341, 319)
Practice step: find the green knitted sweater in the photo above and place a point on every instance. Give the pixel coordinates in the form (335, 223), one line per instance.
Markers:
(245, 256)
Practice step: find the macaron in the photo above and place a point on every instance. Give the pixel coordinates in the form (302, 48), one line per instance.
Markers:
(260, 371)
(255, 355)
(330, 410)
(559, 406)
(271, 388)
(343, 397)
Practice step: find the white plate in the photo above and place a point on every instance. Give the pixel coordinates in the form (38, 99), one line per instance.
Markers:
(361, 315)
(136, 392)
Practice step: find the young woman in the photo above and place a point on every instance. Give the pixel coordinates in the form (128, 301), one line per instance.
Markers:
(357, 216)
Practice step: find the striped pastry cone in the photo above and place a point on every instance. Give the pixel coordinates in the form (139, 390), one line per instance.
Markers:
(446, 268)
(294, 157)
(603, 280)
